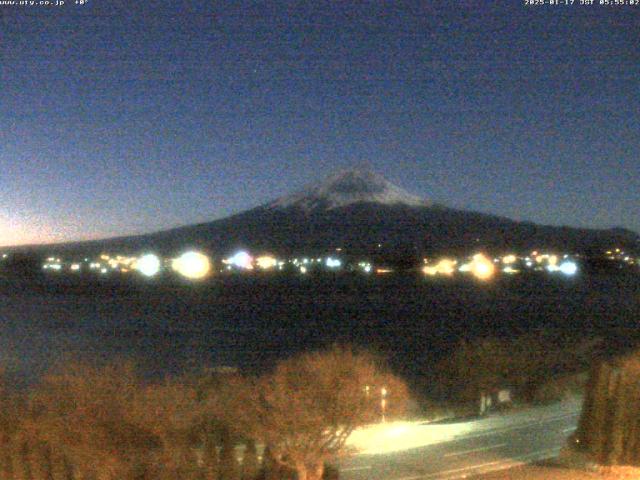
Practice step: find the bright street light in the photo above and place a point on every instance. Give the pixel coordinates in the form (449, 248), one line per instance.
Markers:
(148, 265)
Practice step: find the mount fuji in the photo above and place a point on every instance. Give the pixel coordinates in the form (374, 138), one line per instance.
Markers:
(348, 188)
(364, 214)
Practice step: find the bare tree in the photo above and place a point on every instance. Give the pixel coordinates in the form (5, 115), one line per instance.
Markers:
(250, 464)
(308, 407)
(524, 363)
(83, 414)
(229, 468)
(473, 368)
(171, 412)
(11, 412)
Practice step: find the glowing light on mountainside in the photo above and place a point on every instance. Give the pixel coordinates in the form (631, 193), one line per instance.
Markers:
(569, 268)
(148, 265)
(445, 267)
(241, 260)
(480, 267)
(193, 265)
(266, 262)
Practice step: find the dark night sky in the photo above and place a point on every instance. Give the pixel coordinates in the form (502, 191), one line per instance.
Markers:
(128, 117)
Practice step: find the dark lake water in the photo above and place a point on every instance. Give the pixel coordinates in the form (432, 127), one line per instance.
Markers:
(250, 322)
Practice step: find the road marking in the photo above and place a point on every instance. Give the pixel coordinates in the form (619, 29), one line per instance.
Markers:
(508, 428)
(355, 469)
(472, 450)
(476, 469)
(570, 429)
(516, 462)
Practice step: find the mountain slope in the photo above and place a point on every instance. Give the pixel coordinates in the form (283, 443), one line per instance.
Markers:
(358, 211)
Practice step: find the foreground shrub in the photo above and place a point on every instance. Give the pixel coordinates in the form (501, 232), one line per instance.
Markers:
(309, 406)
(609, 427)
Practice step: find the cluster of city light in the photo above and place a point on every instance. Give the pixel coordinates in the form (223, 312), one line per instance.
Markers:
(52, 266)
(305, 264)
(192, 264)
(305, 261)
(53, 263)
(366, 267)
(195, 265)
(445, 266)
(552, 263)
(266, 262)
(509, 259)
(120, 263)
(243, 261)
(481, 267)
(331, 262)
(510, 262)
(549, 260)
(621, 256)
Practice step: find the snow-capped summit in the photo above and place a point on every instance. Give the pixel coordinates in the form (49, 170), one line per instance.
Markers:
(349, 187)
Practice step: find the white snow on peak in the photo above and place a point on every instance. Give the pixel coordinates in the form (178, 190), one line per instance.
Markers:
(349, 187)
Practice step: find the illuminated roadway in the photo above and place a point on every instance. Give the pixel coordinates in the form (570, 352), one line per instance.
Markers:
(460, 450)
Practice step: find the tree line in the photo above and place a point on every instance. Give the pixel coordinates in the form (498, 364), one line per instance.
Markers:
(87, 422)
(84, 422)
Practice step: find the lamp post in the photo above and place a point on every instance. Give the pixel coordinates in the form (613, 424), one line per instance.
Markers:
(383, 402)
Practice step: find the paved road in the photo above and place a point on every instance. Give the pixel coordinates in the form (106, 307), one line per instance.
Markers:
(462, 450)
